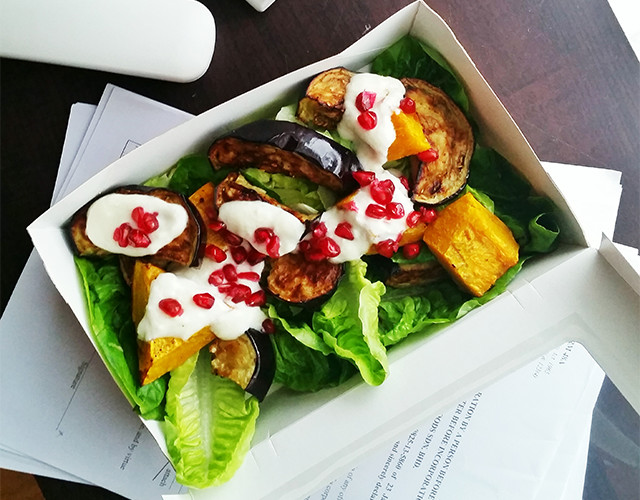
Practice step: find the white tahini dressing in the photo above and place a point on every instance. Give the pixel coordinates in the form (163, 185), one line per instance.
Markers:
(245, 217)
(371, 145)
(109, 212)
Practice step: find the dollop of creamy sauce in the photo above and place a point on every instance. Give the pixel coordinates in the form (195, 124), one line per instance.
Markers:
(245, 217)
(111, 211)
(231, 313)
(371, 144)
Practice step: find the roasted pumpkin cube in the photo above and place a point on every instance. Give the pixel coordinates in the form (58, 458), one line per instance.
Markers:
(410, 138)
(472, 244)
(161, 355)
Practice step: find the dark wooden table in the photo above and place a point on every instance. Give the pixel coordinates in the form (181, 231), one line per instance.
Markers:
(563, 68)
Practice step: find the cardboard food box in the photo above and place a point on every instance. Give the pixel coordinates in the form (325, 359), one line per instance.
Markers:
(579, 293)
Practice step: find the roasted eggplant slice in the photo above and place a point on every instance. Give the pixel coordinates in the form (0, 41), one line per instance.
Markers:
(294, 279)
(288, 148)
(186, 249)
(449, 132)
(323, 103)
(248, 360)
(415, 273)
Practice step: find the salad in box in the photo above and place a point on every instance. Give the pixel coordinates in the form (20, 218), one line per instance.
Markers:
(273, 261)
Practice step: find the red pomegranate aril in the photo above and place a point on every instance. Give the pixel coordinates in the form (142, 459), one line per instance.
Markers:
(320, 230)
(395, 210)
(376, 211)
(411, 250)
(428, 215)
(268, 326)
(249, 276)
(226, 288)
(328, 247)
(238, 254)
(139, 239)
(171, 307)
(413, 218)
(136, 214)
(344, 231)
(239, 293)
(365, 101)
(363, 177)
(215, 253)
(254, 257)
(273, 247)
(232, 239)
(121, 234)
(149, 222)
(351, 206)
(230, 272)
(315, 255)
(429, 155)
(211, 214)
(263, 234)
(204, 300)
(217, 225)
(405, 182)
(216, 278)
(382, 191)
(368, 120)
(407, 105)
(304, 246)
(387, 248)
(257, 299)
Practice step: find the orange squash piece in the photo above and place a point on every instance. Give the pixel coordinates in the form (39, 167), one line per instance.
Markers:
(204, 201)
(161, 355)
(410, 138)
(472, 244)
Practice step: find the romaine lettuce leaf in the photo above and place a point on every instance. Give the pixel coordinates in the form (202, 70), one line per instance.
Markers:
(208, 425)
(109, 307)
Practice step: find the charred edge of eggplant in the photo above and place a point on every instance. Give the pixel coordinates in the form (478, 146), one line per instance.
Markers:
(296, 263)
(334, 161)
(78, 223)
(265, 368)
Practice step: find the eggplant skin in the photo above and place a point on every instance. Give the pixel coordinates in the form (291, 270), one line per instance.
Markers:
(288, 148)
(248, 360)
(295, 280)
(187, 249)
(447, 129)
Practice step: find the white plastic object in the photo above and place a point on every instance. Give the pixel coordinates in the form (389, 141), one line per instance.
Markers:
(162, 39)
(260, 5)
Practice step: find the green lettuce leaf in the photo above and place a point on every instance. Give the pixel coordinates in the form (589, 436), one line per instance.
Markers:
(109, 308)
(209, 424)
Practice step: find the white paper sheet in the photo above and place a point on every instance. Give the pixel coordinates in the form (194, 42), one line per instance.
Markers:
(84, 426)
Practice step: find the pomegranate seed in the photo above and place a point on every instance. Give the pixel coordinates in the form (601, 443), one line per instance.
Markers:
(171, 307)
(204, 300)
(411, 250)
(413, 218)
(375, 211)
(344, 231)
(395, 210)
(257, 299)
(136, 214)
(232, 239)
(211, 214)
(405, 182)
(226, 288)
(320, 230)
(146, 221)
(230, 272)
(238, 254)
(429, 155)
(351, 206)
(254, 257)
(249, 275)
(365, 101)
(121, 234)
(328, 247)
(263, 234)
(239, 293)
(217, 225)
(382, 191)
(315, 254)
(407, 105)
(304, 246)
(273, 247)
(268, 326)
(363, 177)
(368, 120)
(387, 248)
(139, 239)
(216, 278)
(215, 253)
(428, 215)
